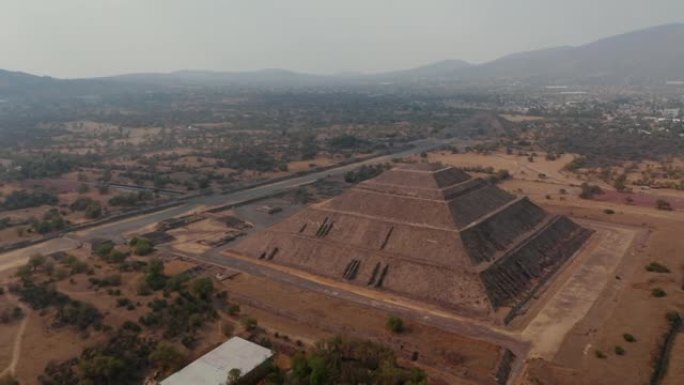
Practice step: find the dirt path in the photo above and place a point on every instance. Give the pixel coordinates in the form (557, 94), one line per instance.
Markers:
(571, 302)
(14, 259)
(16, 349)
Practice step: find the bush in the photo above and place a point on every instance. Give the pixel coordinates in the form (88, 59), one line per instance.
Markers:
(589, 190)
(600, 354)
(227, 328)
(249, 323)
(166, 356)
(104, 248)
(395, 324)
(619, 350)
(131, 326)
(658, 292)
(662, 204)
(234, 309)
(655, 267)
(628, 337)
(143, 247)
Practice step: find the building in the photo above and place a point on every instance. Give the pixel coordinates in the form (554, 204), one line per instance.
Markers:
(212, 368)
(428, 232)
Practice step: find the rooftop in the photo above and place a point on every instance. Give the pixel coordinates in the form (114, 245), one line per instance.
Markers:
(213, 367)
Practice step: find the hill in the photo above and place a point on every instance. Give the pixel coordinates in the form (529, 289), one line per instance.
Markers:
(650, 56)
(653, 55)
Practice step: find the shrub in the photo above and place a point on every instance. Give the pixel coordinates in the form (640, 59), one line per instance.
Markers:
(103, 249)
(249, 323)
(234, 309)
(656, 267)
(395, 324)
(588, 191)
(600, 354)
(619, 350)
(143, 247)
(166, 356)
(609, 211)
(658, 292)
(662, 204)
(228, 329)
(628, 337)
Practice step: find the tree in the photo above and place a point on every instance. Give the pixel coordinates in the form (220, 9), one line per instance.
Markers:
(620, 183)
(249, 323)
(203, 287)
(155, 278)
(103, 368)
(395, 324)
(234, 376)
(143, 247)
(166, 356)
(36, 261)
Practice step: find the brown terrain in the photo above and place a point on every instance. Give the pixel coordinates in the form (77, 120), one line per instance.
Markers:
(568, 309)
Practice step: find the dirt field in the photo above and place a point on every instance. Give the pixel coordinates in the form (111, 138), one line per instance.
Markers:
(625, 305)
(308, 316)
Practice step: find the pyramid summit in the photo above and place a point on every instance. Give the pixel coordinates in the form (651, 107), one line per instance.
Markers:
(428, 232)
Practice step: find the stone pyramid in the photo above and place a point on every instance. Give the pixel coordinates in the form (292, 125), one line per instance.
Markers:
(427, 232)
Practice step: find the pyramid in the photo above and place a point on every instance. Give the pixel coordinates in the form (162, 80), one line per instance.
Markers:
(427, 232)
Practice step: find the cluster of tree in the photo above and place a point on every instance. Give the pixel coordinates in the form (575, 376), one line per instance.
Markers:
(308, 147)
(246, 158)
(141, 246)
(349, 361)
(69, 311)
(51, 221)
(365, 172)
(348, 142)
(48, 164)
(91, 207)
(109, 253)
(123, 360)
(602, 144)
(183, 317)
(11, 314)
(131, 199)
(23, 199)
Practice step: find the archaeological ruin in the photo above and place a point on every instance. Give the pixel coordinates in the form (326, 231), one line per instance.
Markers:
(427, 232)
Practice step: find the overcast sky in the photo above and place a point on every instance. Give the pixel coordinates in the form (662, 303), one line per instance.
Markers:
(82, 38)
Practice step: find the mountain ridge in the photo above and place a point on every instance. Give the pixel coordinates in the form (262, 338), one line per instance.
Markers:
(652, 56)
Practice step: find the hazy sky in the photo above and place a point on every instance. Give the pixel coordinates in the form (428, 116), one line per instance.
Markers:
(79, 38)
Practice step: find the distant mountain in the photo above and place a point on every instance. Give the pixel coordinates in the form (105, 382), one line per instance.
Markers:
(19, 82)
(441, 69)
(652, 55)
(266, 77)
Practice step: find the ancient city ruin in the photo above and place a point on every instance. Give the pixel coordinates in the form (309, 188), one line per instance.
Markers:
(428, 232)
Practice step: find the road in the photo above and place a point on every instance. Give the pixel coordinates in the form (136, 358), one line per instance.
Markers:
(116, 230)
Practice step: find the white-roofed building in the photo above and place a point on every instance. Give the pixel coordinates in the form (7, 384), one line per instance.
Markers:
(212, 368)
